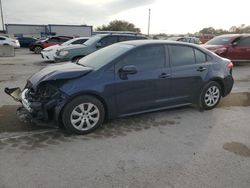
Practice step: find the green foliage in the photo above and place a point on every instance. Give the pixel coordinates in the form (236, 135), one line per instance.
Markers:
(119, 25)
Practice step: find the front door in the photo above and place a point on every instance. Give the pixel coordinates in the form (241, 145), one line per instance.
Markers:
(139, 90)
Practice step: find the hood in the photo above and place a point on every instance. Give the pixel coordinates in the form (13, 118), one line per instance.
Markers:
(212, 47)
(75, 46)
(60, 71)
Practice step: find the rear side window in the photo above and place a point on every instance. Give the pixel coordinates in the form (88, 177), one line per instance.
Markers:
(145, 58)
(181, 55)
(1, 38)
(108, 41)
(200, 56)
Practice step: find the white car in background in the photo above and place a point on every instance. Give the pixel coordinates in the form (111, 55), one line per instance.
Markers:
(9, 41)
(49, 52)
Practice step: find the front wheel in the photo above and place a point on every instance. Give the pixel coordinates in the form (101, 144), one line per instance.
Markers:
(83, 115)
(210, 95)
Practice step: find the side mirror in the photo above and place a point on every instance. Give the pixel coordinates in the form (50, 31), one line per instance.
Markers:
(99, 45)
(127, 69)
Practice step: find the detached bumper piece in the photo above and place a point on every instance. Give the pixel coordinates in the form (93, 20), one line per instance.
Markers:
(15, 93)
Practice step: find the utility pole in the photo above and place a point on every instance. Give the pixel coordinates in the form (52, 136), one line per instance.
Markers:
(149, 12)
(2, 14)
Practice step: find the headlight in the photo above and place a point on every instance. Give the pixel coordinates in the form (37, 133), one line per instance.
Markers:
(63, 53)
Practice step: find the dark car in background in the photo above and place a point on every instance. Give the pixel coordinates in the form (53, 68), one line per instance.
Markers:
(25, 42)
(193, 40)
(235, 47)
(41, 44)
(124, 79)
(76, 52)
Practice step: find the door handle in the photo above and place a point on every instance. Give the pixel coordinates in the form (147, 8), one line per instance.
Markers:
(164, 75)
(201, 69)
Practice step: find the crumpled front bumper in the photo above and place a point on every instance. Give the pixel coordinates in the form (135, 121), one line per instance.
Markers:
(29, 112)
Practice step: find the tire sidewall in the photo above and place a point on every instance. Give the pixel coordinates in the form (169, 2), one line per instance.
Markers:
(203, 105)
(66, 114)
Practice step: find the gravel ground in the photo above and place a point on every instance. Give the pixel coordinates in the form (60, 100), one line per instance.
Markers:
(179, 148)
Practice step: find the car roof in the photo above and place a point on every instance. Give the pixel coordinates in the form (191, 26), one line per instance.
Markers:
(146, 42)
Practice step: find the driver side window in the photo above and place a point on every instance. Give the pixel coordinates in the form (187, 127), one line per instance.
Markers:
(145, 58)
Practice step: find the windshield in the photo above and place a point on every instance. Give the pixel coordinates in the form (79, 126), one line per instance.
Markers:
(92, 40)
(219, 40)
(102, 57)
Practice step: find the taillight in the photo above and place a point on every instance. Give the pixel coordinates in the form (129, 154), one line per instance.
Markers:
(230, 65)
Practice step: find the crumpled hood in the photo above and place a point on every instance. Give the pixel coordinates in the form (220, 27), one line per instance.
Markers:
(59, 71)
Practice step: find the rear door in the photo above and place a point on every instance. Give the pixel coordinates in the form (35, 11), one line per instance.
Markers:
(142, 90)
(188, 71)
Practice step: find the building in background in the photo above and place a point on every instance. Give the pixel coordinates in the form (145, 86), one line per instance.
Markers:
(42, 31)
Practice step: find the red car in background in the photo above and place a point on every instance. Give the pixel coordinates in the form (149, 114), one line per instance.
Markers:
(41, 44)
(235, 47)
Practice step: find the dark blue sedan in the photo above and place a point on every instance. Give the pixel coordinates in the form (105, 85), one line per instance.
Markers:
(124, 79)
(26, 41)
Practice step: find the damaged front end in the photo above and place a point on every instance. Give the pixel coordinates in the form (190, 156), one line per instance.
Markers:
(38, 104)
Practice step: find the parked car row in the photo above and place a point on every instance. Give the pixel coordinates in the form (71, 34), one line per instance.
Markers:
(76, 52)
(39, 45)
(123, 79)
(48, 53)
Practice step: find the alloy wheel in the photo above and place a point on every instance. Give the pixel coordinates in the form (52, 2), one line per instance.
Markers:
(212, 96)
(85, 116)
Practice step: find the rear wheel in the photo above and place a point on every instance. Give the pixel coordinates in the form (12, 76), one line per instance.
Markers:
(37, 50)
(83, 115)
(210, 95)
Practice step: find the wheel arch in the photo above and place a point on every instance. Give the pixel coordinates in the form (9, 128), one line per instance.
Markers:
(219, 81)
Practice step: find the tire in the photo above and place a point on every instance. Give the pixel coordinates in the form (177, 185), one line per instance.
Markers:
(210, 95)
(83, 115)
(37, 50)
(6, 44)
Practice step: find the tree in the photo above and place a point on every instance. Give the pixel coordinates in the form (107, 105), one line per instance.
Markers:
(118, 25)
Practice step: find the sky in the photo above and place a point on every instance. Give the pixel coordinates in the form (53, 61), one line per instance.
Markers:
(167, 16)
